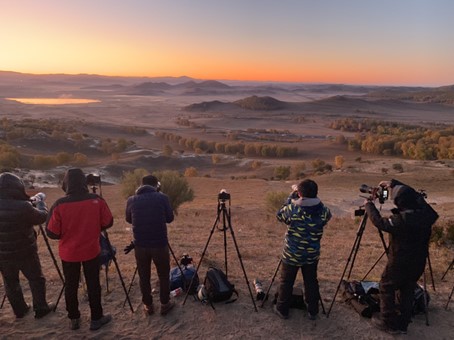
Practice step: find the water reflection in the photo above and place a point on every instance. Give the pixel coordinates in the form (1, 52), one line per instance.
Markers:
(54, 101)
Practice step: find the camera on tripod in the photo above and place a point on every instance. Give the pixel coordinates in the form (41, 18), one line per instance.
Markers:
(382, 193)
(223, 195)
(93, 180)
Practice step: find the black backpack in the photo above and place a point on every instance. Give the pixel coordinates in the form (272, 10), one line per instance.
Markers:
(217, 287)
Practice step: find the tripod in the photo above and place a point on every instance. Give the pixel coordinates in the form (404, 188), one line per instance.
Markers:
(135, 272)
(452, 290)
(226, 225)
(272, 281)
(354, 252)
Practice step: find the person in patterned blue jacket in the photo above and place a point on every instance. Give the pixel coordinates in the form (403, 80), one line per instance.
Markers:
(305, 216)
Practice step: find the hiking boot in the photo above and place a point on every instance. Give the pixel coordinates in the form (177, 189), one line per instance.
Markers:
(384, 326)
(278, 313)
(97, 324)
(166, 308)
(148, 309)
(22, 314)
(75, 324)
(42, 312)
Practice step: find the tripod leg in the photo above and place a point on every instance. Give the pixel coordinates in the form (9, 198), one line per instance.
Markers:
(59, 296)
(130, 285)
(321, 304)
(353, 252)
(114, 259)
(203, 252)
(272, 281)
(373, 266)
(3, 301)
(447, 303)
(178, 265)
(447, 270)
(431, 272)
(240, 259)
(426, 306)
(46, 240)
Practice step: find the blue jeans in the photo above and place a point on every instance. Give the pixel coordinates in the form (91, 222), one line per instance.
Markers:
(311, 289)
(161, 259)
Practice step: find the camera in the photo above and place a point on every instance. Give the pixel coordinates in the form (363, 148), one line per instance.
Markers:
(223, 195)
(379, 192)
(185, 260)
(93, 180)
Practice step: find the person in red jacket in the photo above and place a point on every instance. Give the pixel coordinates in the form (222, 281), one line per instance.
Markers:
(77, 220)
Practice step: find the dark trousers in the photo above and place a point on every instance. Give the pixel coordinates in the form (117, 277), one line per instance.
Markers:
(404, 281)
(311, 289)
(31, 268)
(71, 270)
(161, 259)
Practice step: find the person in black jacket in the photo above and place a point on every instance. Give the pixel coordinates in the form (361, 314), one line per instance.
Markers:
(148, 211)
(18, 247)
(409, 227)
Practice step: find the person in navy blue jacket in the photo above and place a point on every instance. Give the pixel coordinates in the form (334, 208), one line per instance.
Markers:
(149, 211)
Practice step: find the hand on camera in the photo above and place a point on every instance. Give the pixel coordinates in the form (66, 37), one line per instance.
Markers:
(385, 184)
(129, 247)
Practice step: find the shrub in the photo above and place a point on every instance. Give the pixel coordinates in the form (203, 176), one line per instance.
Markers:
(450, 231)
(176, 187)
(398, 167)
(274, 201)
(282, 172)
(80, 159)
(190, 172)
(339, 161)
(437, 234)
(131, 181)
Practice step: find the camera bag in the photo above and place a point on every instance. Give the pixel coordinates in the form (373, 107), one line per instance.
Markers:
(177, 281)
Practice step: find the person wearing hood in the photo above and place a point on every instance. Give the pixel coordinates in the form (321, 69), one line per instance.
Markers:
(305, 216)
(77, 220)
(409, 229)
(18, 247)
(148, 211)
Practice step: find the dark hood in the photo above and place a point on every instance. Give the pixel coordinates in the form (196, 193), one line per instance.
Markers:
(405, 197)
(74, 182)
(12, 187)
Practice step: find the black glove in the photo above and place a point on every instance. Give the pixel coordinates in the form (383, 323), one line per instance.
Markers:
(129, 247)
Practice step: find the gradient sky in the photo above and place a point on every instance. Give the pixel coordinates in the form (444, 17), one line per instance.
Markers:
(393, 42)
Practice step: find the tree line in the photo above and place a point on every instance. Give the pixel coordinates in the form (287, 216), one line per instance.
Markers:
(232, 148)
(397, 139)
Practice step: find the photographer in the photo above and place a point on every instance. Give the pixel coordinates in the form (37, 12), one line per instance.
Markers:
(148, 211)
(305, 216)
(77, 220)
(18, 247)
(409, 229)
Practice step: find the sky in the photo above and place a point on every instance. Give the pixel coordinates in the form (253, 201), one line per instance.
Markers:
(385, 42)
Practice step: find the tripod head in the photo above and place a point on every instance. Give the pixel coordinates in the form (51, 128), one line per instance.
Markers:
(223, 196)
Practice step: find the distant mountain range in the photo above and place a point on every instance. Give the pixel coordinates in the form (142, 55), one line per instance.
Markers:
(256, 95)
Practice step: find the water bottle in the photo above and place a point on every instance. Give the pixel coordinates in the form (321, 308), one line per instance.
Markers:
(176, 292)
(259, 290)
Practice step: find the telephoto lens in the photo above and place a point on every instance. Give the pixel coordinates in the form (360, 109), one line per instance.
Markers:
(259, 289)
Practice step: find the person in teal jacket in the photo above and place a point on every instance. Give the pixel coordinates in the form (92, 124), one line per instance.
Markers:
(305, 216)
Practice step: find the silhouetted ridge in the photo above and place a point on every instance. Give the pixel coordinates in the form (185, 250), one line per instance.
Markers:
(206, 106)
(260, 103)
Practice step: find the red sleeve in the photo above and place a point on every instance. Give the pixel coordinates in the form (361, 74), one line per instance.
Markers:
(54, 223)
